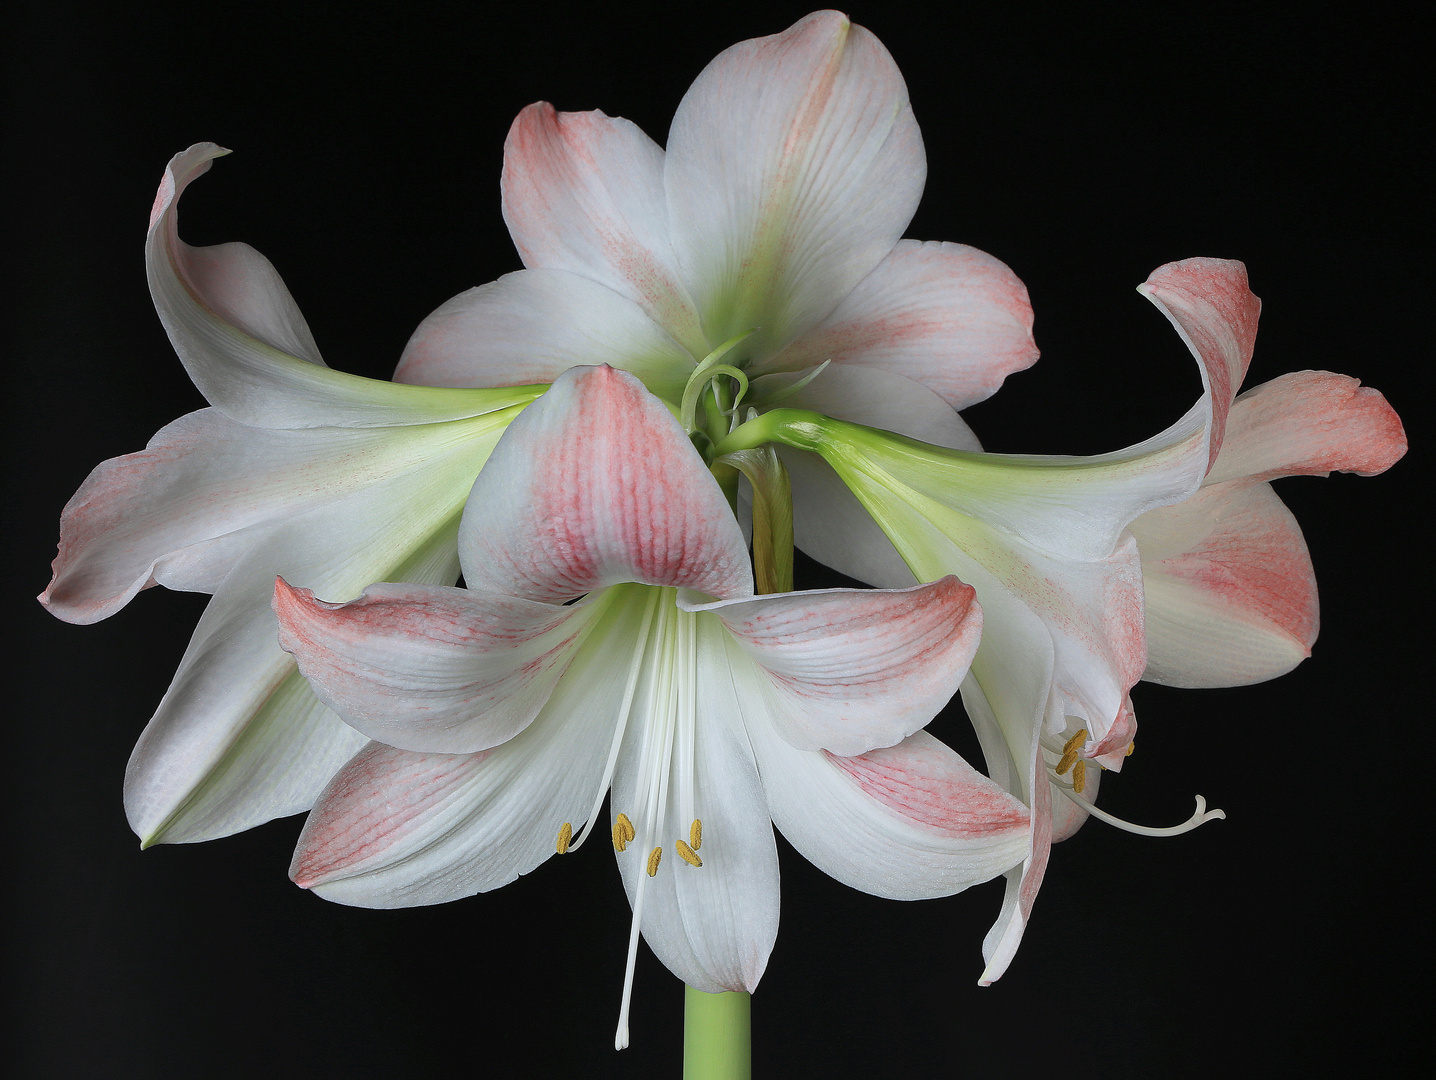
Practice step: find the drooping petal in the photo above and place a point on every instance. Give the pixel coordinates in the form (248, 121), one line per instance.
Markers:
(181, 784)
(184, 510)
(712, 925)
(596, 485)
(908, 822)
(583, 192)
(532, 326)
(945, 315)
(794, 164)
(1230, 590)
(1309, 423)
(849, 670)
(245, 345)
(429, 668)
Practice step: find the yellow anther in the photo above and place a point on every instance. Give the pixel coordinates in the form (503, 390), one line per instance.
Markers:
(653, 857)
(695, 834)
(619, 840)
(1079, 777)
(565, 834)
(1068, 760)
(628, 831)
(1071, 745)
(1130, 747)
(687, 854)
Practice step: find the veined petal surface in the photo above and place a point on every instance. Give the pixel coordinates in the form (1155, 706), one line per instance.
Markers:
(794, 164)
(597, 486)
(583, 192)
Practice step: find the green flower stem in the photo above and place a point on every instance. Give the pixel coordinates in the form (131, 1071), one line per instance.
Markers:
(717, 1036)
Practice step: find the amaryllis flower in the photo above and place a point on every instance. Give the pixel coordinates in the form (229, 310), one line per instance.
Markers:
(1045, 542)
(766, 236)
(505, 712)
(333, 480)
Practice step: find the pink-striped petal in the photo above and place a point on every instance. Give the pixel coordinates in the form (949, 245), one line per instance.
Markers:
(430, 669)
(1309, 423)
(945, 315)
(794, 164)
(907, 822)
(1230, 590)
(583, 192)
(531, 327)
(849, 670)
(598, 484)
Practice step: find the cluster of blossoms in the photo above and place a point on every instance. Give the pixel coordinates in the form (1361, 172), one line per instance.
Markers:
(722, 337)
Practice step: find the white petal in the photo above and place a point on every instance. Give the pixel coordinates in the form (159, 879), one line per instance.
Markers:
(945, 315)
(907, 822)
(794, 164)
(1230, 590)
(402, 529)
(531, 327)
(714, 925)
(583, 192)
(849, 670)
(398, 829)
(245, 345)
(596, 485)
(431, 669)
(206, 489)
(1309, 422)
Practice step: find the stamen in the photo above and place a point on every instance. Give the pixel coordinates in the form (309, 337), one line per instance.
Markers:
(565, 834)
(1068, 760)
(1070, 751)
(622, 832)
(1130, 747)
(1200, 817)
(1071, 745)
(685, 853)
(1079, 777)
(695, 834)
(653, 858)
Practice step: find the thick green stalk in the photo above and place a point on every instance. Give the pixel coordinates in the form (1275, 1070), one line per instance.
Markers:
(717, 1036)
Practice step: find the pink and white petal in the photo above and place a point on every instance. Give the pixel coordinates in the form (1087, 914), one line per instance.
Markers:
(242, 340)
(945, 315)
(906, 822)
(428, 668)
(1309, 423)
(182, 783)
(713, 926)
(594, 485)
(794, 165)
(583, 192)
(1230, 591)
(1067, 816)
(848, 670)
(532, 326)
(184, 510)
(1212, 307)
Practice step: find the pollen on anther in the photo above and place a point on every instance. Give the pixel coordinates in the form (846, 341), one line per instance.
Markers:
(653, 857)
(687, 854)
(1079, 777)
(1071, 745)
(1130, 747)
(565, 835)
(695, 834)
(1068, 760)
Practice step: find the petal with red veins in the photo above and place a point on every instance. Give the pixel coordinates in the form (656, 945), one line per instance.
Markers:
(531, 327)
(431, 669)
(794, 165)
(906, 822)
(243, 342)
(596, 485)
(583, 192)
(1230, 590)
(945, 315)
(1309, 423)
(849, 670)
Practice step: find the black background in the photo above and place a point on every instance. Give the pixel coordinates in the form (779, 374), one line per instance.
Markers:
(1084, 149)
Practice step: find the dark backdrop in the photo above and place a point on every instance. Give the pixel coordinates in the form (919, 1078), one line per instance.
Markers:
(1084, 149)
